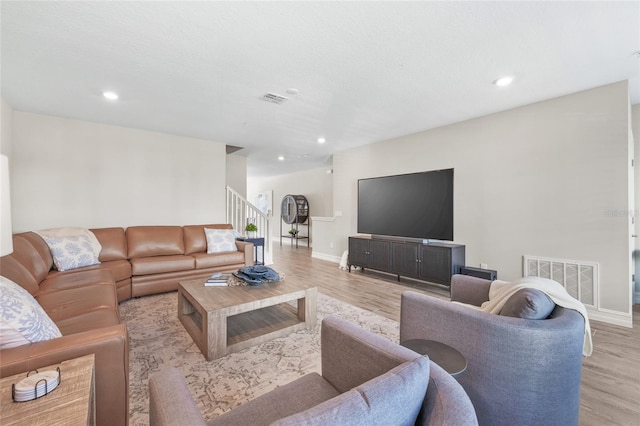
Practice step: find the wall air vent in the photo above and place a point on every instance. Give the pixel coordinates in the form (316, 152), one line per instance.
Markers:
(274, 98)
(579, 278)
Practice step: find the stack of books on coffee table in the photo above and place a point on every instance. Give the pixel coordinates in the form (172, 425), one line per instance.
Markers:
(217, 280)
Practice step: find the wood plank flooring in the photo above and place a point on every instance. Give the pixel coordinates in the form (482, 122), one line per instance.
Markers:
(610, 392)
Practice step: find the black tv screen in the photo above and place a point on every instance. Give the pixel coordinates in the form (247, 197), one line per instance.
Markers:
(415, 205)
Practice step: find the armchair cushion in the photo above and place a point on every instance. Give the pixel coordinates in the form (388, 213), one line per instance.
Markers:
(528, 303)
(393, 398)
(299, 395)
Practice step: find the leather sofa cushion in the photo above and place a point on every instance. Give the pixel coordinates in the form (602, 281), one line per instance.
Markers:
(204, 260)
(161, 264)
(113, 242)
(119, 269)
(89, 321)
(65, 280)
(147, 241)
(17, 272)
(42, 249)
(195, 240)
(29, 263)
(71, 302)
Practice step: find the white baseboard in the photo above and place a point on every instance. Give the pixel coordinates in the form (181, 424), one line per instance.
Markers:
(324, 256)
(611, 317)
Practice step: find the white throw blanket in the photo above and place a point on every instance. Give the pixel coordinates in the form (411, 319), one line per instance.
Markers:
(500, 291)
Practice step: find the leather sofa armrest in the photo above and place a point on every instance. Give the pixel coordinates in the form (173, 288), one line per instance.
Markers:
(247, 248)
(170, 402)
(111, 349)
(469, 290)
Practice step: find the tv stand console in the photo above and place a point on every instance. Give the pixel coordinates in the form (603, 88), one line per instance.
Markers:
(434, 262)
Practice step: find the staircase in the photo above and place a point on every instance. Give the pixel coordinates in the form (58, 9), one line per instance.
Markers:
(240, 212)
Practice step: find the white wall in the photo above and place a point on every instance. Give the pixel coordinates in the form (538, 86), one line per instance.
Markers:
(539, 180)
(635, 123)
(6, 128)
(237, 173)
(76, 173)
(315, 184)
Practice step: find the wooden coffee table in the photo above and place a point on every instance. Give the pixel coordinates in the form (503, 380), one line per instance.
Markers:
(223, 320)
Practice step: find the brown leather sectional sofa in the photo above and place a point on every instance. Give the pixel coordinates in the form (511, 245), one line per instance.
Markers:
(83, 303)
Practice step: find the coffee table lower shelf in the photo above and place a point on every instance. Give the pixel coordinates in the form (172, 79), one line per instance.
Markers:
(219, 332)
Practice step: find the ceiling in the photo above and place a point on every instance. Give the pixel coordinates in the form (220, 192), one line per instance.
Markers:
(364, 71)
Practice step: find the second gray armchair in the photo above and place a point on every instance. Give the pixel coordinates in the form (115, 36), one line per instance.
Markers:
(366, 380)
(519, 371)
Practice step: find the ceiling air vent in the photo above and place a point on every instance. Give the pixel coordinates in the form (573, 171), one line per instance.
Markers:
(274, 98)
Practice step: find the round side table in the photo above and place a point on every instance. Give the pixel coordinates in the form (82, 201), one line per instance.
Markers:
(450, 359)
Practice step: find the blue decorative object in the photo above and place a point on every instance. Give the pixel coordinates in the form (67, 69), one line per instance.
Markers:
(257, 274)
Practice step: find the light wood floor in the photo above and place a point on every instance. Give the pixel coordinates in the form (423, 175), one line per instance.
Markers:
(610, 393)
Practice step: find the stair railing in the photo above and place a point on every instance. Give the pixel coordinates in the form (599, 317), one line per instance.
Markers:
(241, 212)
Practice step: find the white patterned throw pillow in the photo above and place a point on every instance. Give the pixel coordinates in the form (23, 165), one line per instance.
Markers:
(220, 240)
(71, 252)
(72, 232)
(22, 319)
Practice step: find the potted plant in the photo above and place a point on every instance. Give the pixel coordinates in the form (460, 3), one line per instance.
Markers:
(251, 228)
(293, 232)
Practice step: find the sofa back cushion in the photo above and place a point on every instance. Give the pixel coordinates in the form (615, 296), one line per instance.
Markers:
(29, 263)
(147, 241)
(394, 398)
(195, 240)
(114, 243)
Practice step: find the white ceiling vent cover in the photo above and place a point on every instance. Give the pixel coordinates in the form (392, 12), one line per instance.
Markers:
(274, 98)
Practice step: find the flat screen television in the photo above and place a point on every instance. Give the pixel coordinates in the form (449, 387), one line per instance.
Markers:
(414, 205)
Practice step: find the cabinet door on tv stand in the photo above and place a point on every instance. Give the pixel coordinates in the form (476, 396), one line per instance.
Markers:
(358, 249)
(380, 255)
(404, 259)
(435, 264)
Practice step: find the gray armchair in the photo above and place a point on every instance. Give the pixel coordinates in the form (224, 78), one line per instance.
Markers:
(366, 380)
(519, 372)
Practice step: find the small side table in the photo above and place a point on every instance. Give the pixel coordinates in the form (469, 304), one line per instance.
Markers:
(71, 403)
(257, 242)
(450, 359)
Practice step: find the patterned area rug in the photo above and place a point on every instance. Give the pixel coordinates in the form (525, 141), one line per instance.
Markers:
(157, 340)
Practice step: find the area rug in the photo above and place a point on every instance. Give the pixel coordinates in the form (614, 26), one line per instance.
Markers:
(157, 340)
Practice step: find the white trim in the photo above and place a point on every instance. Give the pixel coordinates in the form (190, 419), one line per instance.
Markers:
(610, 317)
(323, 219)
(324, 256)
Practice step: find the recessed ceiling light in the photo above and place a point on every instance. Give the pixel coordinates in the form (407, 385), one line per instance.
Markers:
(112, 96)
(292, 91)
(281, 157)
(503, 81)
(321, 140)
